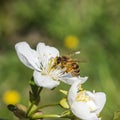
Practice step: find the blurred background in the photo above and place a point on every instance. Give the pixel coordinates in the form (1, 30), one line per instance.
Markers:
(91, 26)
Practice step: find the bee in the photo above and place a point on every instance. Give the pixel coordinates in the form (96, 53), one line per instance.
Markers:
(68, 65)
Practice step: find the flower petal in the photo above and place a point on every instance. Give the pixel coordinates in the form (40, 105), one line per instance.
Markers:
(100, 99)
(73, 92)
(44, 80)
(27, 56)
(47, 51)
(81, 110)
(70, 80)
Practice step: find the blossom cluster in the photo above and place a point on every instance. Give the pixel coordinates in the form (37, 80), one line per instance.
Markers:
(83, 104)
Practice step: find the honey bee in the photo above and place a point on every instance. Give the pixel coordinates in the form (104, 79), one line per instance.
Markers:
(68, 65)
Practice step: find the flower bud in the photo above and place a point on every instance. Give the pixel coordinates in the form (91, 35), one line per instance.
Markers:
(64, 103)
(18, 110)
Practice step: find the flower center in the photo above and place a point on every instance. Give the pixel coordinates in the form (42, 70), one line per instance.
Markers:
(55, 72)
(83, 97)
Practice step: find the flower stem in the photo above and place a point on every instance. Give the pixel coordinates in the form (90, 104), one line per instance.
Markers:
(45, 116)
(29, 109)
(43, 106)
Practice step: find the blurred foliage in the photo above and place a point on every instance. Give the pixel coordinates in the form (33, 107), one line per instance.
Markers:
(116, 115)
(96, 23)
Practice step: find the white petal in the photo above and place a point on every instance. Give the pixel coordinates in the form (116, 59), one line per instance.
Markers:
(81, 110)
(27, 56)
(100, 99)
(73, 92)
(89, 93)
(44, 80)
(82, 79)
(92, 106)
(70, 80)
(74, 88)
(47, 51)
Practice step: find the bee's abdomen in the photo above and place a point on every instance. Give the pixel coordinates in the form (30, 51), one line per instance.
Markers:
(75, 66)
(76, 72)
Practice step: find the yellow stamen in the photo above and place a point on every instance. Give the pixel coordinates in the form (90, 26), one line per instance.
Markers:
(80, 88)
(81, 96)
(91, 109)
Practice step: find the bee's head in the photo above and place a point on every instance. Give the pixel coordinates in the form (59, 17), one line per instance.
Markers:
(58, 60)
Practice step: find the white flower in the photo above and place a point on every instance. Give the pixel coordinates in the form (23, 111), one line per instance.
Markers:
(85, 104)
(41, 61)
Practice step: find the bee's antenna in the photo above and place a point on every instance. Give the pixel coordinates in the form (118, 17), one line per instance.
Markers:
(74, 53)
(77, 52)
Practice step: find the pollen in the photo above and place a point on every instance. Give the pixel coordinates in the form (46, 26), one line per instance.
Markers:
(91, 109)
(11, 97)
(50, 64)
(80, 87)
(82, 97)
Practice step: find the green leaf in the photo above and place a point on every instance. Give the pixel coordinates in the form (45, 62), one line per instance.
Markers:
(33, 86)
(34, 94)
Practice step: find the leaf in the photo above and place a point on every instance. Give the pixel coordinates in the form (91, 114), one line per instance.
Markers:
(18, 110)
(34, 94)
(34, 87)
